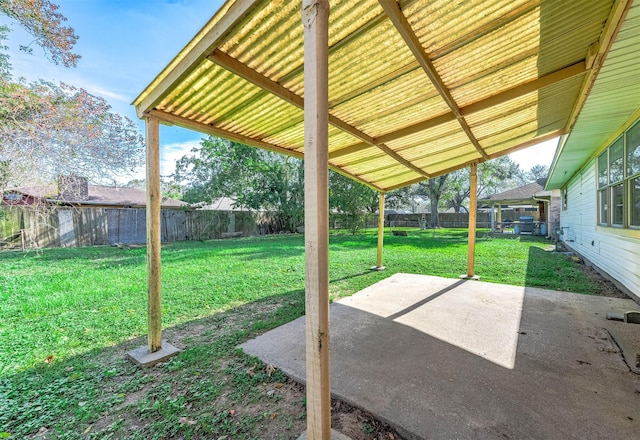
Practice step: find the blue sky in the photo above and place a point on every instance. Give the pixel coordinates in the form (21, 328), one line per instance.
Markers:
(124, 44)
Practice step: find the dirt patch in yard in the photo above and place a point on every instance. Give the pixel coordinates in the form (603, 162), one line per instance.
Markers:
(605, 286)
(212, 390)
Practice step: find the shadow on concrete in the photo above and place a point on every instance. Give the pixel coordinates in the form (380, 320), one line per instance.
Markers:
(472, 360)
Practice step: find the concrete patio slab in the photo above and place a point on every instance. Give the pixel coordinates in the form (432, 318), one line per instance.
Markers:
(456, 359)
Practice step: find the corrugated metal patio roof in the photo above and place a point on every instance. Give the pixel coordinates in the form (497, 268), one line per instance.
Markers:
(416, 88)
(613, 100)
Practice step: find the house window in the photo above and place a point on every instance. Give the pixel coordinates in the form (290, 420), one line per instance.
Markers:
(618, 177)
(635, 202)
(603, 203)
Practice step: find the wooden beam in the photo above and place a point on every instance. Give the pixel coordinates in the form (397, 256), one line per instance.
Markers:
(416, 128)
(259, 80)
(492, 101)
(487, 28)
(407, 183)
(215, 131)
(403, 161)
(256, 78)
(348, 150)
(154, 237)
(393, 176)
(476, 160)
(368, 172)
(528, 87)
(209, 38)
(168, 118)
(380, 231)
(315, 18)
(396, 16)
(473, 208)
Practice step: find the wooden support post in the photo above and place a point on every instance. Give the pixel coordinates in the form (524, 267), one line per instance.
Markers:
(154, 238)
(315, 18)
(473, 199)
(379, 265)
(156, 350)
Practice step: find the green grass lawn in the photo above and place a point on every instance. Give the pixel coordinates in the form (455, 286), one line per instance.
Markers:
(67, 314)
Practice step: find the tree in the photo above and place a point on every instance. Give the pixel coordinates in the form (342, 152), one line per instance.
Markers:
(352, 199)
(168, 188)
(48, 130)
(44, 22)
(537, 172)
(457, 190)
(493, 176)
(401, 197)
(253, 178)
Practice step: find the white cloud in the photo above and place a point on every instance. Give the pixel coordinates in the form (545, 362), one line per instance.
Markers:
(101, 91)
(538, 154)
(170, 153)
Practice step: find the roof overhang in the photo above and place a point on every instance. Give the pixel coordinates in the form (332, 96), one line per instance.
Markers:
(416, 88)
(611, 105)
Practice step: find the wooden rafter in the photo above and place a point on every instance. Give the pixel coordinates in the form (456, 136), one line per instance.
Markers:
(175, 72)
(500, 98)
(396, 16)
(348, 150)
(215, 131)
(486, 29)
(256, 78)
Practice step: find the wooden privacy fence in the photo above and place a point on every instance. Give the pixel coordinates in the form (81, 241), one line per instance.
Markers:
(43, 227)
(446, 220)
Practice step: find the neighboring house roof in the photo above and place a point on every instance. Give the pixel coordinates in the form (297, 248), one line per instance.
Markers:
(525, 194)
(97, 196)
(222, 204)
(613, 101)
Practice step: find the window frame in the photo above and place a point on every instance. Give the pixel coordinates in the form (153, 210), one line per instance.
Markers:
(615, 199)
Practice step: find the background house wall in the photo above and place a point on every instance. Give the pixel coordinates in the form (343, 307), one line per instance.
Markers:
(609, 249)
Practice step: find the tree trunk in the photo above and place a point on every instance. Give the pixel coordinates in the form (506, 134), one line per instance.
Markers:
(435, 218)
(435, 186)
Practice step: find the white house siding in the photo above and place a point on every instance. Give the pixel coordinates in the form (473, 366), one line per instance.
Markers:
(607, 248)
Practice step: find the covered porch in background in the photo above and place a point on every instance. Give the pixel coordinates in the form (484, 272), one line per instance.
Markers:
(388, 93)
(522, 210)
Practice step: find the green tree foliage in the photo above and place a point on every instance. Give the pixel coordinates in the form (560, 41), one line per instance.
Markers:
(494, 176)
(48, 130)
(43, 21)
(258, 179)
(537, 172)
(351, 199)
(255, 179)
(452, 190)
(168, 187)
